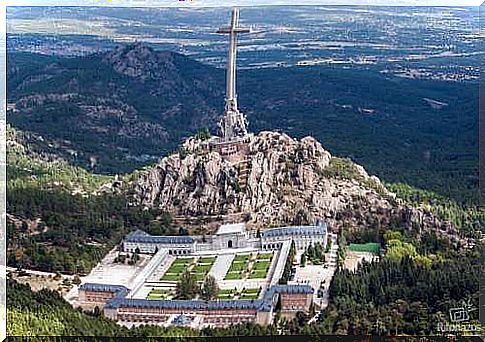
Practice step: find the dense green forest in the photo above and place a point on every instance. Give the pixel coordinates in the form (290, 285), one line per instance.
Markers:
(468, 219)
(58, 221)
(403, 296)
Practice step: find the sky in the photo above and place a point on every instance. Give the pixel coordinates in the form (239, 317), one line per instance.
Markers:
(211, 3)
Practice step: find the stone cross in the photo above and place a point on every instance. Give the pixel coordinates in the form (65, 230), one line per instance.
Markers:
(233, 124)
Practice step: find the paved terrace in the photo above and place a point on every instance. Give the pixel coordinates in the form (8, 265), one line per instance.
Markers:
(314, 275)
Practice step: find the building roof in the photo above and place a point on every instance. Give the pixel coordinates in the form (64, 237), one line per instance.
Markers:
(139, 236)
(95, 287)
(320, 229)
(292, 289)
(184, 304)
(231, 228)
(264, 304)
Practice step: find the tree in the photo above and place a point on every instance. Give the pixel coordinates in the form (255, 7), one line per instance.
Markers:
(76, 280)
(303, 260)
(209, 289)
(203, 134)
(301, 318)
(187, 287)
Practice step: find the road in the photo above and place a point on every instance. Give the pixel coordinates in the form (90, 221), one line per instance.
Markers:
(325, 276)
(40, 273)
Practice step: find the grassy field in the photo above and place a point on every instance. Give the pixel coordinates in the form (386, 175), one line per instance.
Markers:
(265, 256)
(229, 294)
(177, 267)
(234, 275)
(250, 293)
(207, 260)
(226, 294)
(258, 274)
(371, 247)
(199, 269)
(261, 266)
(239, 266)
(158, 294)
(242, 258)
(203, 267)
(255, 266)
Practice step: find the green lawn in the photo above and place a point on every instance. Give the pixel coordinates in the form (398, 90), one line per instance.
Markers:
(201, 268)
(225, 297)
(248, 296)
(241, 258)
(262, 265)
(238, 267)
(183, 261)
(233, 275)
(170, 277)
(255, 290)
(158, 294)
(158, 291)
(250, 293)
(207, 260)
(258, 275)
(199, 276)
(265, 256)
(371, 247)
(227, 292)
(176, 268)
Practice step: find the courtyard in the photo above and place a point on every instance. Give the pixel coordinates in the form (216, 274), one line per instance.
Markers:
(199, 267)
(249, 266)
(234, 294)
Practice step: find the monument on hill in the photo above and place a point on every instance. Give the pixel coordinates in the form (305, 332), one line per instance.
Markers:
(232, 145)
(234, 123)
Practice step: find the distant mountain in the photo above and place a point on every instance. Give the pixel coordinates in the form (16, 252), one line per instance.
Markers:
(116, 109)
(121, 109)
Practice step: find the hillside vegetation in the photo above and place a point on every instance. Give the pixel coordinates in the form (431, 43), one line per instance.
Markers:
(58, 220)
(127, 107)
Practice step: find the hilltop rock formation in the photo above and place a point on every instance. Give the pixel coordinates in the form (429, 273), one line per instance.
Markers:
(282, 181)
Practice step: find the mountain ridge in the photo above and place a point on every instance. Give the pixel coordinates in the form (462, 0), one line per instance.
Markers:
(117, 123)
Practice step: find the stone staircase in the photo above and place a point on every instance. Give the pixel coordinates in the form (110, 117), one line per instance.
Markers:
(244, 168)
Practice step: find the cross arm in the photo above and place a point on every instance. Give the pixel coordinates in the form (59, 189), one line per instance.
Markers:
(228, 29)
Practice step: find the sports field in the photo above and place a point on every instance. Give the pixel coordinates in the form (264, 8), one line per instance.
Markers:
(370, 247)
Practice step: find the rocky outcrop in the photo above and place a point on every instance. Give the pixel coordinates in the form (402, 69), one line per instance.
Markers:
(289, 182)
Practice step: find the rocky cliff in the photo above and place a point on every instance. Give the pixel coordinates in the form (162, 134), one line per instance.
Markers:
(281, 180)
